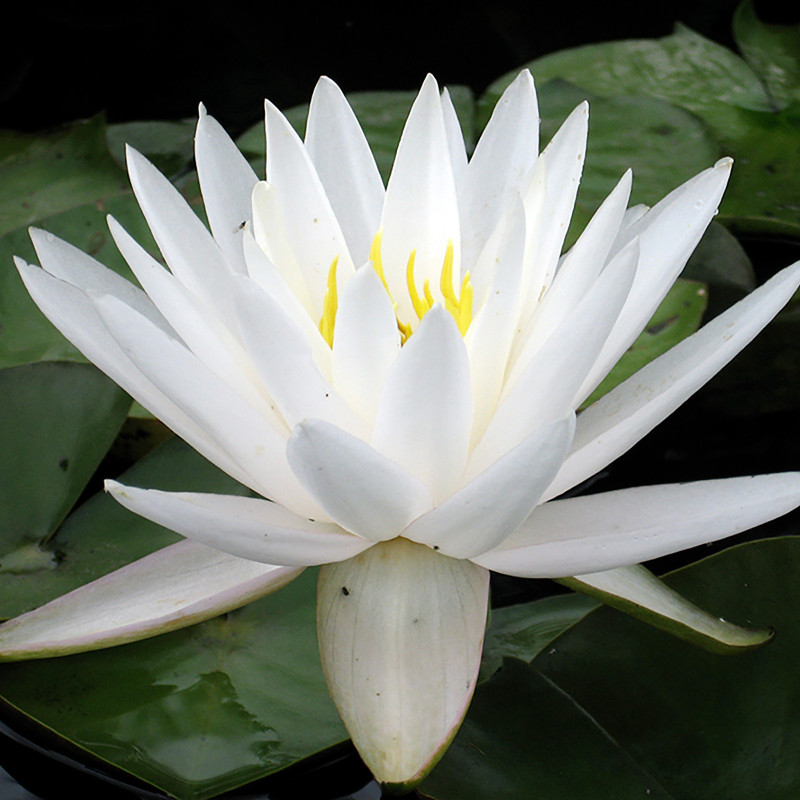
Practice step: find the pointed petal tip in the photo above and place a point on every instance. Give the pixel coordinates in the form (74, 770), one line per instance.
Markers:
(724, 163)
(201, 111)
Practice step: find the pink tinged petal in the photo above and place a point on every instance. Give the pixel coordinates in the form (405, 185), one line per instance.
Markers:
(269, 230)
(420, 212)
(612, 425)
(68, 263)
(71, 311)
(284, 360)
(226, 181)
(425, 412)
(503, 158)
(455, 138)
(246, 527)
(360, 489)
(365, 343)
(188, 248)
(310, 223)
(346, 167)
(546, 387)
(615, 529)
(636, 591)
(194, 321)
(401, 631)
(491, 334)
(551, 199)
(491, 507)
(237, 428)
(170, 589)
(579, 268)
(667, 234)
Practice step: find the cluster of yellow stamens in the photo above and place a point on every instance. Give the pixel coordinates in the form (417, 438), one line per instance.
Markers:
(460, 307)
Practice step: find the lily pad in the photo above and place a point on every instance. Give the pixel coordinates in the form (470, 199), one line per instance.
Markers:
(58, 422)
(619, 709)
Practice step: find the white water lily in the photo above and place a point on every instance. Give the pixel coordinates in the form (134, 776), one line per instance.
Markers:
(398, 370)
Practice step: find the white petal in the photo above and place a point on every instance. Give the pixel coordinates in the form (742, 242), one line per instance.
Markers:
(638, 592)
(233, 424)
(401, 630)
(311, 225)
(188, 248)
(226, 181)
(603, 531)
(247, 527)
(613, 424)
(551, 199)
(667, 235)
(420, 211)
(194, 321)
(455, 138)
(362, 490)
(71, 311)
(425, 412)
(365, 343)
(170, 589)
(503, 158)
(546, 388)
(346, 167)
(487, 510)
(285, 362)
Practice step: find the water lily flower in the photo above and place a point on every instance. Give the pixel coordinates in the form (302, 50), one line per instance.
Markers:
(395, 372)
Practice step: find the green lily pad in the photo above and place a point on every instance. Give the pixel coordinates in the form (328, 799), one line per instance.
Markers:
(197, 712)
(169, 145)
(773, 51)
(619, 709)
(58, 422)
(677, 317)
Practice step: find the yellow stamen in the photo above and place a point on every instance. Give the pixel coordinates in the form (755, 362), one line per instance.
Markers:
(446, 281)
(464, 316)
(426, 288)
(377, 262)
(329, 305)
(422, 307)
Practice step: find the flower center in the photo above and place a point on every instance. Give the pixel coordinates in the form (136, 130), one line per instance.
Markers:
(459, 306)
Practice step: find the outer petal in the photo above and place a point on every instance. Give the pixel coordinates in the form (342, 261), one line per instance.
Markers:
(603, 531)
(613, 424)
(227, 181)
(492, 506)
(346, 167)
(170, 589)
(361, 489)
(638, 592)
(401, 631)
(425, 411)
(247, 527)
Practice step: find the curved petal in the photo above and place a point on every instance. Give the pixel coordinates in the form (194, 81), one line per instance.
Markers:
(400, 631)
(232, 423)
(186, 244)
(613, 424)
(425, 412)
(346, 167)
(503, 158)
(226, 181)
(487, 510)
(71, 311)
(636, 591)
(455, 138)
(175, 587)
(365, 343)
(311, 225)
(362, 490)
(614, 529)
(545, 388)
(247, 527)
(667, 235)
(420, 211)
